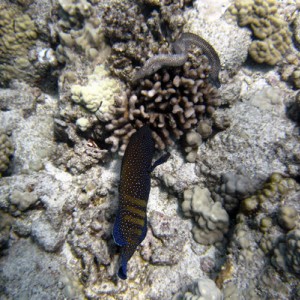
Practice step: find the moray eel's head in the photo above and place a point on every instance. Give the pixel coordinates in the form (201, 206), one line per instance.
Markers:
(214, 81)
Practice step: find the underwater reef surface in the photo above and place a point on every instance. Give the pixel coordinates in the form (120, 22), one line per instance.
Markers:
(223, 211)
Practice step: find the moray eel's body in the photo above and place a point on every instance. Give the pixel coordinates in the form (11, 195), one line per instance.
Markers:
(180, 47)
(188, 39)
(130, 226)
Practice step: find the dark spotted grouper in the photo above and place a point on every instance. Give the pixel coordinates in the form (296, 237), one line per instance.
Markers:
(130, 226)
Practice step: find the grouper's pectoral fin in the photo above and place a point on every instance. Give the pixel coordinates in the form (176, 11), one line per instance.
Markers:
(160, 161)
(117, 235)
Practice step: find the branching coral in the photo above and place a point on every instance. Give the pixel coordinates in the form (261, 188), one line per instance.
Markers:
(171, 102)
(137, 34)
(130, 36)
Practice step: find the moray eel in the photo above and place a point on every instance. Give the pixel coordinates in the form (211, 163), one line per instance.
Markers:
(180, 48)
(130, 226)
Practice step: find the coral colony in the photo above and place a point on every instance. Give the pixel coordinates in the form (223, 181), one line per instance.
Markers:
(102, 102)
